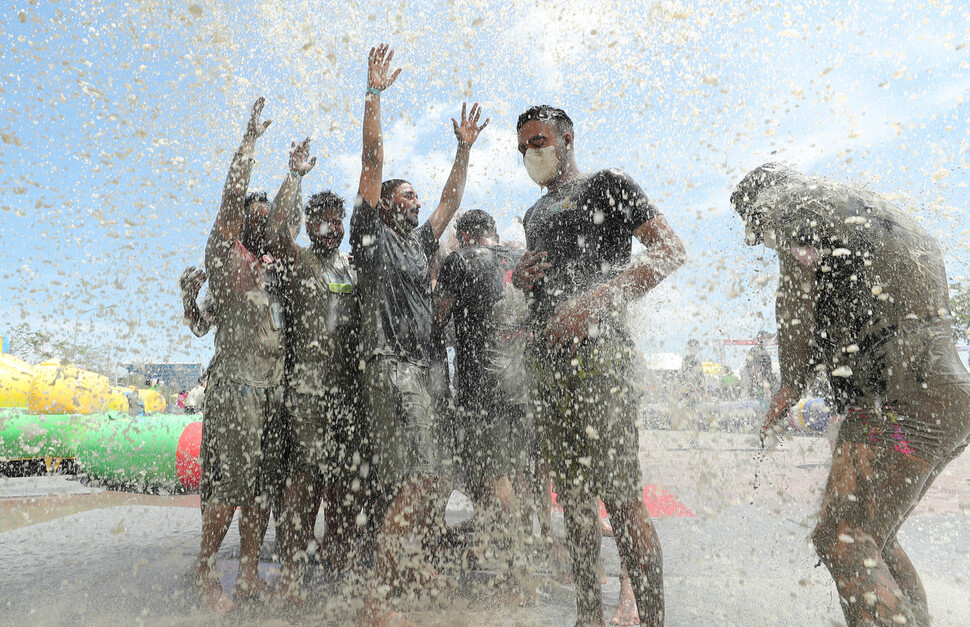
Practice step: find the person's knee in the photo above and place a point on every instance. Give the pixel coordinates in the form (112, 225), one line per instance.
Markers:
(841, 545)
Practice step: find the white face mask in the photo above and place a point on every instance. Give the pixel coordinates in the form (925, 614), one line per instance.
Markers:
(542, 164)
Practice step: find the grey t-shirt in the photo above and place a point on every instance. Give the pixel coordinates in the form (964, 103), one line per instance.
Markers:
(879, 274)
(248, 318)
(586, 226)
(322, 324)
(491, 324)
(395, 285)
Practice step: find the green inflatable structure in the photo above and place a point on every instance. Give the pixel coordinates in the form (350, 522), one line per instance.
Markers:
(158, 452)
(48, 437)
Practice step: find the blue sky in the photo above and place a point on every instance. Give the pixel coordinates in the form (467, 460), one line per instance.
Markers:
(118, 121)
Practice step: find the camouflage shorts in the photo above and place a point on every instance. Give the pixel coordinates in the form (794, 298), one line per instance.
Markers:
(243, 443)
(585, 417)
(404, 430)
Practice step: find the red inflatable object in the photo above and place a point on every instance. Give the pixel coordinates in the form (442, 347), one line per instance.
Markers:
(659, 502)
(187, 457)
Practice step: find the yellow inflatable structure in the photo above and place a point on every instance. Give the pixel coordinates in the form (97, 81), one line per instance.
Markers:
(65, 389)
(56, 388)
(16, 376)
(118, 401)
(152, 400)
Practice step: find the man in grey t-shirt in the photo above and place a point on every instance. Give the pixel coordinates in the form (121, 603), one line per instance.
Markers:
(391, 254)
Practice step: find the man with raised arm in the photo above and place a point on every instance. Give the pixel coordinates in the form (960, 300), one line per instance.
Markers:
(241, 440)
(578, 269)
(391, 254)
(863, 297)
(329, 447)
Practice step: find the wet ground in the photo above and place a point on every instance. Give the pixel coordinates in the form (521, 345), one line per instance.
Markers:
(71, 553)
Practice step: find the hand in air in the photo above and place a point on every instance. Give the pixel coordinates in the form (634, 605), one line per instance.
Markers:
(191, 282)
(255, 128)
(300, 160)
(530, 270)
(378, 68)
(467, 131)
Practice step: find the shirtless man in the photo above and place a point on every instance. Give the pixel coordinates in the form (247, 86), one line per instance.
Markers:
(391, 254)
(580, 274)
(863, 296)
(242, 439)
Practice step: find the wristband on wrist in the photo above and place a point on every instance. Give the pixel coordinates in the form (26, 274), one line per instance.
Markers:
(374, 90)
(294, 173)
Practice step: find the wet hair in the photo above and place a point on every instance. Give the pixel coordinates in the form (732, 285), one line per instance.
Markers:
(768, 175)
(255, 197)
(547, 113)
(476, 224)
(390, 186)
(325, 201)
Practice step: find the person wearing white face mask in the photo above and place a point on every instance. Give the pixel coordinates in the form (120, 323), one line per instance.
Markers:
(579, 271)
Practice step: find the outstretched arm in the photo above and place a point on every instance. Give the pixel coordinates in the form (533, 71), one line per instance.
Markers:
(287, 203)
(664, 253)
(466, 132)
(379, 78)
(229, 221)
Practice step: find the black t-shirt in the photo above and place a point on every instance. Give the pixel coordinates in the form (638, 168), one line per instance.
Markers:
(490, 319)
(587, 228)
(395, 285)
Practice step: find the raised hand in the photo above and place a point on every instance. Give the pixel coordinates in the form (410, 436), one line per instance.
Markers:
(378, 66)
(255, 128)
(467, 131)
(191, 282)
(300, 161)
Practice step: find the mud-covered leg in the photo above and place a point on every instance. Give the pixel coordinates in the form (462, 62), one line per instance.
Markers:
(297, 497)
(639, 547)
(870, 491)
(253, 521)
(583, 543)
(907, 579)
(400, 558)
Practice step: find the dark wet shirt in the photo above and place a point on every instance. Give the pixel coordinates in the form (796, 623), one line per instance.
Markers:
(322, 324)
(395, 285)
(879, 277)
(586, 226)
(490, 318)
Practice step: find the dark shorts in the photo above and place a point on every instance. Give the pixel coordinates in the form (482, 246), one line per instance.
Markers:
(328, 435)
(925, 406)
(931, 424)
(585, 418)
(492, 440)
(243, 443)
(404, 431)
